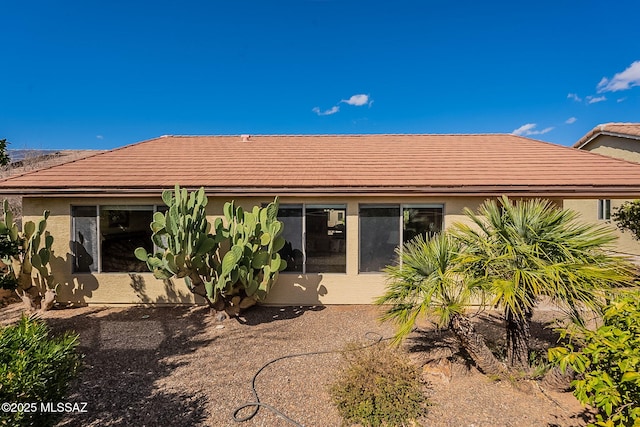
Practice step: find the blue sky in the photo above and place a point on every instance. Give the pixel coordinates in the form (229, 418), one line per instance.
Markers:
(102, 74)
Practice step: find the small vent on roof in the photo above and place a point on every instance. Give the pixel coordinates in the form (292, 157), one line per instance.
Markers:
(245, 138)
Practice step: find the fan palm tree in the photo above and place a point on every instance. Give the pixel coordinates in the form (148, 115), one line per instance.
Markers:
(530, 249)
(426, 280)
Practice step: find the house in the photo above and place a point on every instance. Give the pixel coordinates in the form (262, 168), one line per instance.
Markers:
(621, 141)
(347, 201)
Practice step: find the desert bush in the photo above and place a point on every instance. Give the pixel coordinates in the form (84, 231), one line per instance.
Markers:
(609, 363)
(34, 367)
(378, 386)
(627, 217)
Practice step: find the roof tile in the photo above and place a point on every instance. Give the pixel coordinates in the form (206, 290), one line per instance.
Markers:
(333, 161)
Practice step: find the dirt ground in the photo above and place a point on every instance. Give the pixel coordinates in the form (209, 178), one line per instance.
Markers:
(176, 366)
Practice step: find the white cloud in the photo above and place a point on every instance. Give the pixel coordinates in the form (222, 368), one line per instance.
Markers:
(358, 100)
(621, 81)
(571, 120)
(328, 112)
(574, 96)
(529, 129)
(619, 100)
(595, 99)
(355, 100)
(524, 129)
(99, 137)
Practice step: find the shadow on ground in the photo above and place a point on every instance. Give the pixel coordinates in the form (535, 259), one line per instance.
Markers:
(126, 354)
(266, 314)
(491, 325)
(129, 351)
(440, 354)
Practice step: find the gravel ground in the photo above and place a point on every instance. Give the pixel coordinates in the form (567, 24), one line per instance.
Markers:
(176, 366)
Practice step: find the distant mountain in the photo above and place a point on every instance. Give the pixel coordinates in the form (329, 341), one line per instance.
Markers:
(17, 155)
(28, 160)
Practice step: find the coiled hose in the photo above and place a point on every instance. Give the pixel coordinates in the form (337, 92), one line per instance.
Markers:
(374, 337)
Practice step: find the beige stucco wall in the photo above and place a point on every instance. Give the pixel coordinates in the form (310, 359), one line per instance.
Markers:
(588, 210)
(620, 148)
(351, 287)
(103, 288)
(291, 289)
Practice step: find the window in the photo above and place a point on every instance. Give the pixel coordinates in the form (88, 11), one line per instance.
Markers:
(379, 236)
(122, 230)
(315, 238)
(417, 219)
(105, 237)
(292, 252)
(604, 209)
(383, 227)
(84, 238)
(325, 243)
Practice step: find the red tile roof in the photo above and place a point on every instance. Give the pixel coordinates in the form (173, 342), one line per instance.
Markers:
(624, 130)
(317, 164)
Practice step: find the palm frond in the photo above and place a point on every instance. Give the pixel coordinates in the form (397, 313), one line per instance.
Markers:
(426, 280)
(530, 248)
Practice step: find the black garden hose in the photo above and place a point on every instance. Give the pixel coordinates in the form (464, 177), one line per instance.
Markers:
(256, 404)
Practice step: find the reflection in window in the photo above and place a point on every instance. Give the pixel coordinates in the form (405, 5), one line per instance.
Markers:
(379, 236)
(383, 227)
(421, 220)
(122, 230)
(325, 239)
(291, 217)
(84, 239)
(315, 238)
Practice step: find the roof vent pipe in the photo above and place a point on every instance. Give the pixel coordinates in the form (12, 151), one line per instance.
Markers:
(245, 138)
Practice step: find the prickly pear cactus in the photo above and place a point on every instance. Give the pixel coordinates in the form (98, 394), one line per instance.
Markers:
(253, 262)
(21, 253)
(189, 247)
(182, 236)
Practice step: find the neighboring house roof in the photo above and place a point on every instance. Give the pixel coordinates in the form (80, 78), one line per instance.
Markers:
(622, 130)
(489, 164)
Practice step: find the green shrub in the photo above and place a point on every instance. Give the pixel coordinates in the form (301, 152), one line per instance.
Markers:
(609, 364)
(34, 367)
(627, 216)
(378, 386)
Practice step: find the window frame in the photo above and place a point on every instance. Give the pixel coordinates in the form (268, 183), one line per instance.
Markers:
(604, 209)
(401, 208)
(98, 250)
(304, 207)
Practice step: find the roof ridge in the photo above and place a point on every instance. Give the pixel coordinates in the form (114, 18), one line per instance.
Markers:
(619, 123)
(315, 135)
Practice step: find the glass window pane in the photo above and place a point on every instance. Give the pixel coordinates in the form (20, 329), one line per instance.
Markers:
(379, 236)
(84, 240)
(325, 239)
(421, 220)
(122, 230)
(163, 209)
(604, 209)
(291, 217)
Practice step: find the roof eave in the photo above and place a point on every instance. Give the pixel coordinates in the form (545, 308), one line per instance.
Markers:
(585, 140)
(571, 191)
